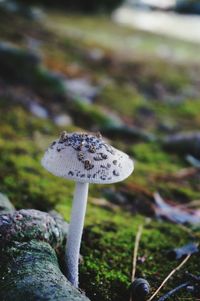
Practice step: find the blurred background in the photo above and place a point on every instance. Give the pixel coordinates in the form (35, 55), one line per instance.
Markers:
(129, 69)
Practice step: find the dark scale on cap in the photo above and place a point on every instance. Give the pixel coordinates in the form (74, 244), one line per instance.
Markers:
(109, 148)
(100, 157)
(92, 149)
(115, 162)
(70, 173)
(80, 156)
(52, 144)
(115, 173)
(86, 142)
(83, 135)
(63, 137)
(107, 166)
(59, 148)
(103, 172)
(80, 146)
(88, 165)
(104, 156)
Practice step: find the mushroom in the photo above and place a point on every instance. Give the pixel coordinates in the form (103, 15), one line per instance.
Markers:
(84, 158)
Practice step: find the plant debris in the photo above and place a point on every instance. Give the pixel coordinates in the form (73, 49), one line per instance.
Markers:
(169, 276)
(174, 213)
(178, 253)
(173, 291)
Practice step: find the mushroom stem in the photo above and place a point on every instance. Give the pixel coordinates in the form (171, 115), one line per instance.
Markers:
(75, 231)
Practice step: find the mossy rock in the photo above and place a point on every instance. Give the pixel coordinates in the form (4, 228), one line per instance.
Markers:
(32, 73)
(31, 242)
(30, 271)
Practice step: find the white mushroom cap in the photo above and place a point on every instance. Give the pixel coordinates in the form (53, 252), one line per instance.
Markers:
(86, 158)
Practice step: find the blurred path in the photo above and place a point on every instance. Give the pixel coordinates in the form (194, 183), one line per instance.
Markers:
(186, 27)
(101, 34)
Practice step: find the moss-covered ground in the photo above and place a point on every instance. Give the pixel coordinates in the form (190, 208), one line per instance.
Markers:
(157, 95)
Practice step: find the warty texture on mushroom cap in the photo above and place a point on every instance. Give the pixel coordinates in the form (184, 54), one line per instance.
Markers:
(86, 158)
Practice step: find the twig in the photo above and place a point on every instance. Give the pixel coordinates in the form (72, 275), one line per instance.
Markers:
(135, 252)
(169, 276)
(173, 291)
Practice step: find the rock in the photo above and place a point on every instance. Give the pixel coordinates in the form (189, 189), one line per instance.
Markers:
(13, 59)
(35, 13)
(127, 132)
(63, 120)
(30, 272)
(9, 6)
(34, 45)
(48, 83)
(81, 88)
(193, 161)
(32, 72)
(38, 110)
(188, 7)
(140, 288)
(29, 245)
(115, 197)
(26, 225)
(13, 7)
(183, 143)
(96, 54)
(168, 127)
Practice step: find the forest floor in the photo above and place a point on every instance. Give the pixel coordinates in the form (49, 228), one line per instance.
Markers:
(82, 73)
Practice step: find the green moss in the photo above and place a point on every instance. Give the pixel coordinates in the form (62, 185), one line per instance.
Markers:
(184, 113)
(107, 249)
(152, 161)
(123, 99)
(152, 154)
(156, 170)
(189, 109)
(178, 191)
(90, 115)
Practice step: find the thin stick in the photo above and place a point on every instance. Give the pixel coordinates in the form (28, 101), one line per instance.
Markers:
(169, 276)
(135, 252)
